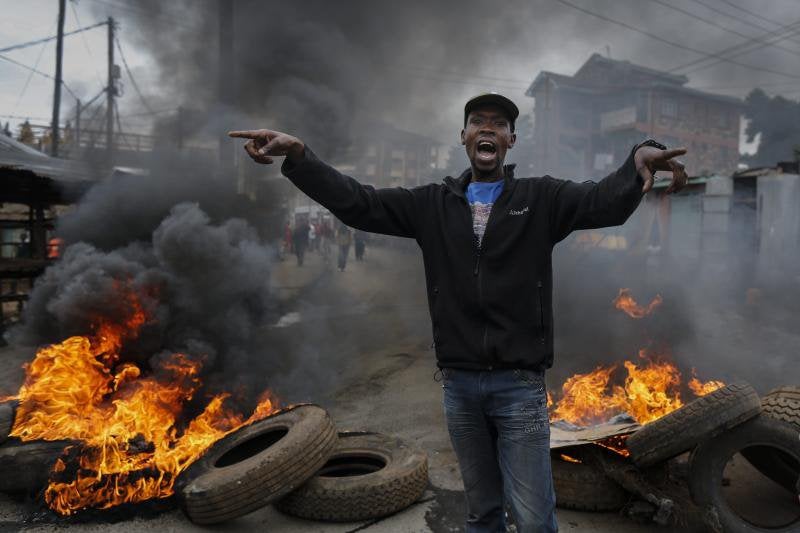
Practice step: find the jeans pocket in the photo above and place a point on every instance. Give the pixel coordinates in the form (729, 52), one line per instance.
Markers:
(530, 378)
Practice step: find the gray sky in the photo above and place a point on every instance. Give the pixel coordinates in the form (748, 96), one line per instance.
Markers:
(544, 35)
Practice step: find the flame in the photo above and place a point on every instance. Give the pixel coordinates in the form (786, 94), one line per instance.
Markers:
(569, 459)
(700, 388)
(625, 302)
(650, 390)
(132, 442)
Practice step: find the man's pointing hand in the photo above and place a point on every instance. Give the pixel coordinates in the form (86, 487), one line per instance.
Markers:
(266, 143)
(649, 159)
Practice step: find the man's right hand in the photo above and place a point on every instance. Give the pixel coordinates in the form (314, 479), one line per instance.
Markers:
(266, 143)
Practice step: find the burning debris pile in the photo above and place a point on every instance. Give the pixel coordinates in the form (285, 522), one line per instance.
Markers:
(153, 380)
(630, 436)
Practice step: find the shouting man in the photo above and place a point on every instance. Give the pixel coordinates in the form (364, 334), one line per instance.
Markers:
(487, 240)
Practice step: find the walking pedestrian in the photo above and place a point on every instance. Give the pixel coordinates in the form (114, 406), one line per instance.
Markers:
(360, 241)
(300, 241)
(343, 239)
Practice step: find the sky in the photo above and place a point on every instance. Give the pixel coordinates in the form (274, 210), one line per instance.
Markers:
(502, 49)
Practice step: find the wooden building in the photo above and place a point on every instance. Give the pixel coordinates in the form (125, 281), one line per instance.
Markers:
(586, 124)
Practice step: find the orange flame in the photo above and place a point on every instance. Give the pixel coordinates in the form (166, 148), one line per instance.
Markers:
(649, 391)
(625, 302)
(700, 388)
(132, 448)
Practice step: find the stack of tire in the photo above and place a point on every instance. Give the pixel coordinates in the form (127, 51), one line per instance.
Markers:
(713, 428)
(297, 460)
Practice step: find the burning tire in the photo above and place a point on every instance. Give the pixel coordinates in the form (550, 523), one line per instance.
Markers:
(782, 404)
(708, 469)
(26, 466)
(368, 476)
(6, 420)
(257, 464)
(581, 487)
(684, 428)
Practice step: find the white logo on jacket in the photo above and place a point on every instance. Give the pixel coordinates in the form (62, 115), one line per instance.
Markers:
(519, 211)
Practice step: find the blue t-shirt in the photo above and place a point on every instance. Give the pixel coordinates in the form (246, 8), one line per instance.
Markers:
(481, 197)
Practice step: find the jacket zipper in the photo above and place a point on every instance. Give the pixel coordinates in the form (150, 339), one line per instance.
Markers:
(477, 273)
(541, 310)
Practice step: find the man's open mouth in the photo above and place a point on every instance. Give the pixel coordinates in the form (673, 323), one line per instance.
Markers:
(486, 149)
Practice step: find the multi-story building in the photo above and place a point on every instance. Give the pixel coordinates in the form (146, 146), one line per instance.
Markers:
(586, 124)
(385, 156)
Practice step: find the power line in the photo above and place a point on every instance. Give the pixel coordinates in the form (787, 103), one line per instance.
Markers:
(672, 43)
(737, 53)
(86, 43)
(724, 28)
(162, 19)
(752, 13)
(133, 80)
(30, 75)
(51, 38)
(39, 72)
(729, 15)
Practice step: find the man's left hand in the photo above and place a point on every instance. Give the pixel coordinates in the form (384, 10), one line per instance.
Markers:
(649, 159)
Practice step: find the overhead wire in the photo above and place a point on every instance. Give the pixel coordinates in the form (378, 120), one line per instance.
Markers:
(735, 51)
(133, 80)
(30, 75)
(46, 39)
(39, 72)
(751, 13)
(673, 43)
(694, 16)
(86, 43)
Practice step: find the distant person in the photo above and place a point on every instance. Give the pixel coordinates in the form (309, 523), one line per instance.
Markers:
(287, 239)
(360, 241)
(312, 237)
(343, 239)
(489, 282)
(300, 241)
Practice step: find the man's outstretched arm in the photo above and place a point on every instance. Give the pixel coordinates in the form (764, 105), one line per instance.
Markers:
(612, 200)
(391, 211)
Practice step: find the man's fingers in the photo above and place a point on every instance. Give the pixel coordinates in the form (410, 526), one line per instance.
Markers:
(679, 177)
(647, 176)
(252, 134)
(674, 152)
(250, 148)
(269, 147)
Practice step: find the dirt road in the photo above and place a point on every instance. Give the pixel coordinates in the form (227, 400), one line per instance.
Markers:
(369, 341)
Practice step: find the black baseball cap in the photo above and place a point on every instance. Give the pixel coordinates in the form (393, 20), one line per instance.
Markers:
(493, 99)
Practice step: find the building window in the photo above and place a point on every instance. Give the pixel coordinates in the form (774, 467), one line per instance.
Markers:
(722, 119)
(669, 108)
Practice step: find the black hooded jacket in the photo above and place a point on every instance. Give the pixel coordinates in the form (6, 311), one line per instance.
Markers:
(491, 306)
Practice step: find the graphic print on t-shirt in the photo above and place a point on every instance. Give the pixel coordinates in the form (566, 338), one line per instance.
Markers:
(481, 197)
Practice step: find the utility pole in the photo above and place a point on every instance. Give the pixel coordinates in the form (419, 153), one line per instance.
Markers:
(54, 133)
(77, 143)
(111, 92)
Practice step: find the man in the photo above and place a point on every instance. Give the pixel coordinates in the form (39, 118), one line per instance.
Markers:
(486, 240)
(343, 240)
(300, 240)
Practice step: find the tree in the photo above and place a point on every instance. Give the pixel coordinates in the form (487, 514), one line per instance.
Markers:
(26, 133)
(777, 120)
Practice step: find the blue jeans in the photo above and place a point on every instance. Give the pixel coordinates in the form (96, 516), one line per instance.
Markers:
(500, 431)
